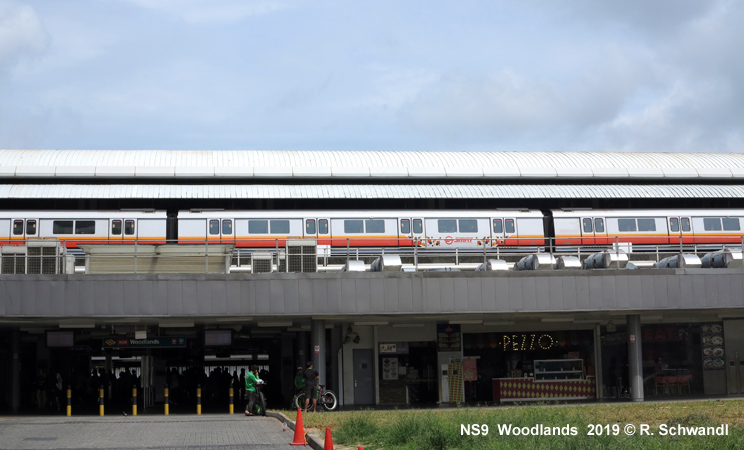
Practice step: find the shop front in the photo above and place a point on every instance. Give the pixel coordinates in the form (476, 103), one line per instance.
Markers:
(529, 366)
(407, 372)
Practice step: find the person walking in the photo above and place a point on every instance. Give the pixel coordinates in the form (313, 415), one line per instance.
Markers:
(311, 386)
(250, 389)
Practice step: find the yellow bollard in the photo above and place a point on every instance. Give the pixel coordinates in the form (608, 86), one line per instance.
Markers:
(198, 398)
(69, 401)
(100, 401)
(232, 403)
(134, 400)
(167, 405)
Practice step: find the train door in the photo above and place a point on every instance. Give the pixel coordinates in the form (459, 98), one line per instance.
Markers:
(227, 231)
(497, 232)
(24, 229)
(116, 231)
(593, 231)
(680, 229)
(510, 231)
(318, 228)
(411, 232)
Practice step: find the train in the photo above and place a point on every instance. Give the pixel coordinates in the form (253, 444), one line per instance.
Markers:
(438, 229)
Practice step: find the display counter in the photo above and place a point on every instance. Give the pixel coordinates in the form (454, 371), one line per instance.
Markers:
(529, 389)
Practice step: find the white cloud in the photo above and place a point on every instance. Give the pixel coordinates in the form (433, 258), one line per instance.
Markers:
(21, 33)
(212, 11)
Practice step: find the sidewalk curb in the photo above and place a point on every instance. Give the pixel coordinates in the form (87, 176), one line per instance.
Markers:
(312, 441)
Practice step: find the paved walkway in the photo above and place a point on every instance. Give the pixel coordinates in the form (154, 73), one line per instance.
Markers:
(193, 432)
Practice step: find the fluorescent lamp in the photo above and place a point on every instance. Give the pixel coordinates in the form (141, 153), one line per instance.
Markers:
(408, 325)
(182, 324)
(370, 323)
(77, 325)
(465, 322)
(557, 319)
(274, 324)
(588, 321)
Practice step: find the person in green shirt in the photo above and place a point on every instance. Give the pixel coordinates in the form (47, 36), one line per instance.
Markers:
(299, 380)
(250, 388)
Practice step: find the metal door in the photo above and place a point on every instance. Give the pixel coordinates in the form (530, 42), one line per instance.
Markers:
(679, 228)
(734, 353)
(411, 231)
(364, 380)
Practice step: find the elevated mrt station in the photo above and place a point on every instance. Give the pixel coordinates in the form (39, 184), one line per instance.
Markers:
(406, 278)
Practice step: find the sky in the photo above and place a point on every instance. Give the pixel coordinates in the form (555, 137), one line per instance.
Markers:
(387, 75)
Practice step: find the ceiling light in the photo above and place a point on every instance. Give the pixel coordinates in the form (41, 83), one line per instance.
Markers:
(181, 324)
(370, 323)
(408, 325)
(465, 322)
(557, 319)
(274, 324)
(77, 325)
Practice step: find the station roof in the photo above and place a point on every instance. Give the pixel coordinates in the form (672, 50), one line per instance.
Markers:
(256, 165)
(371, 191)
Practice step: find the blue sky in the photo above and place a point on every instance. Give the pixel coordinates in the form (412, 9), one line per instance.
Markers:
(576, 75)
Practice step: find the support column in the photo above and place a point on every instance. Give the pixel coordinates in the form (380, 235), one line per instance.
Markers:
(15, 367)
(318, 348)
(635, 361)
(302, 356)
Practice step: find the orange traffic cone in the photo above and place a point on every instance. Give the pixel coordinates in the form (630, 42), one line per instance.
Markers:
(328, 440)
(299, 435)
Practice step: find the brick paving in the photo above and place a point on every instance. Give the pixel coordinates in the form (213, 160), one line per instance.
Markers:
(193, 432)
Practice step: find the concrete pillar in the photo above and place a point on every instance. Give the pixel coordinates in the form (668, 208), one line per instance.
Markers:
(302, 356)
(318, 348)
(635, 358)
(15, 367)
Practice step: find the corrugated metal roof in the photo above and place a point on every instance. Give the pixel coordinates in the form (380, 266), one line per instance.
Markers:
(357, 191)
(316, 164)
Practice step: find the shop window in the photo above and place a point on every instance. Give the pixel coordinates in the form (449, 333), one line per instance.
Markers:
(447, 225)
(310, 226)
(626, 224)
(280, 227)
(374, 226)
(116, 227)
(227, 226)
(599, 225)
(214, 226)
(468, 226)
(588, 226)
(62, 227)
(258, 227)
(405, 226)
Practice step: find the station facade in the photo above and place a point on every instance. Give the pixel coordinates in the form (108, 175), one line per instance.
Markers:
(446, 335)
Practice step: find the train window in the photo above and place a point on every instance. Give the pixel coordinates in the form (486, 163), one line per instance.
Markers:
(498, 227)
(258, 227)
(626, 224)
(31, 227)
(447, 226)
(599, 225)
(17, 227)
(227, 226)
(587, 225)
(62, 227)
(310, 226)
(374, 226)
(214, 226)
(731, 224)
(509, 225)
(85, 227)
(116, 227)
(468, 226)
(418, 226)
(674, 224)
(646, 225)
(405, 226)
(129, 227)
(280, 227)
(712, 224)
(685, 224)
(353, 226)
(323, 226)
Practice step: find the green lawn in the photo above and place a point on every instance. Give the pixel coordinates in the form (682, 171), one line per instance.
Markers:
(433, 429)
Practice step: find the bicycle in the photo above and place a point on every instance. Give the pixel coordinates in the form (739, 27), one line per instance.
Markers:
(326, 398)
